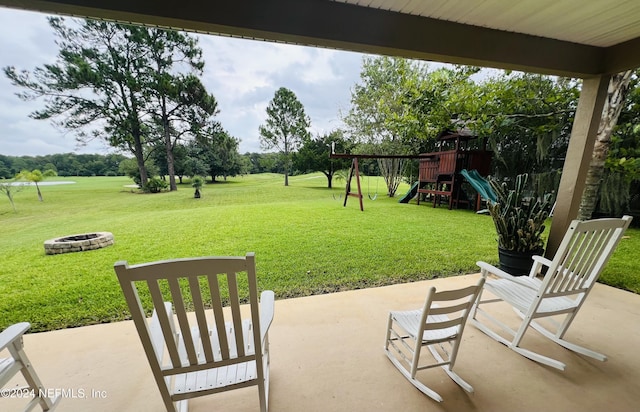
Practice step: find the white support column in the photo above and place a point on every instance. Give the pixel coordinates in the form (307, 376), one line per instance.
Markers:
(576, 164)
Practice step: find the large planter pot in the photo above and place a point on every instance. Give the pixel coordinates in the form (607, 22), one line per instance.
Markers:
(516, 263)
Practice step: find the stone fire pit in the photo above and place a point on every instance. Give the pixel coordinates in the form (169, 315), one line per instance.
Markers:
(78, 243)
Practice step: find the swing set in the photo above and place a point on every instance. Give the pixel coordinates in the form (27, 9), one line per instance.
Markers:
(354, 170)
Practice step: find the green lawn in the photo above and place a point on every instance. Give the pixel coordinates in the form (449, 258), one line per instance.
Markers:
(305, 241)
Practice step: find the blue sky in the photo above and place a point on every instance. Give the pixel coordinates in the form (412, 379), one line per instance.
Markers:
(242, 74)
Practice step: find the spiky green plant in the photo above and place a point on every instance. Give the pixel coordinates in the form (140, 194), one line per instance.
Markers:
(519, 221)
(197, 182)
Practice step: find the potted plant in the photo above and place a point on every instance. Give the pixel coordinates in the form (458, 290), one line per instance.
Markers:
(519, 225)
(197, 182)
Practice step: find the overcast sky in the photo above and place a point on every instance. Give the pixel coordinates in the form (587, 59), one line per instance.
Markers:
(243, 75)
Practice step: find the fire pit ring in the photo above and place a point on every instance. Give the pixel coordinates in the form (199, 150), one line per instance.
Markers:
(78, 243)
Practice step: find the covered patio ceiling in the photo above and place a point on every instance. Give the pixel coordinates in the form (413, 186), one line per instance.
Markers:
(573, 38)
(588, 39)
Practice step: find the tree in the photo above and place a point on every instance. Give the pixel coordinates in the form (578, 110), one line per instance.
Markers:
(263, 163)
(216, 149)
(180, 159)
(380, 105)
(98, 77)
(225, 157)
(314, 155)
(525, 117)
(399, 101)
(9, 188)
(286, 126)
(194, 164)
(181, 104)
(36, 176)
(619, 191)
(129, 167)
(616, 97)
(118, 83)
(5, 167)
(97, 81)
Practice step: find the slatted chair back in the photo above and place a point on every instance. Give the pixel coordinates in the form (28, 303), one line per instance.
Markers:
(217, 334)
(438, 327)
(583, 253)
(444, 316)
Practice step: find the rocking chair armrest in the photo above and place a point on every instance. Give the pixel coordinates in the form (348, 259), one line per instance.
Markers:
(13, 332)
(538, 262)
(542, 260)
(267, 304)
(486, 268)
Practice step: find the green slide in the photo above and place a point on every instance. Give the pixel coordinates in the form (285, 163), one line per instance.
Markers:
(479, 183)
(410, 194)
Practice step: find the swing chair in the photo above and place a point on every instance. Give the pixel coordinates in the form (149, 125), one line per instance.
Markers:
(375, 195)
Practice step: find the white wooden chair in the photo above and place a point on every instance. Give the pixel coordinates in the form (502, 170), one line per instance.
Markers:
(210, 350)
(440, 321)
(569, 277)
(11, 340)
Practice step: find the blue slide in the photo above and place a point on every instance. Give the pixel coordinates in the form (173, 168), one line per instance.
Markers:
(410, 194)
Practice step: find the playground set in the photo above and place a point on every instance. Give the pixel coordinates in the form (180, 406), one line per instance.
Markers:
(441, 173)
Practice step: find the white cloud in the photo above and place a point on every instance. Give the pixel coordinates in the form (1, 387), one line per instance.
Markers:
(245, 74)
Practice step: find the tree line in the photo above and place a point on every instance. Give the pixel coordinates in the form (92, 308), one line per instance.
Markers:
(65, 164)
(72, 164)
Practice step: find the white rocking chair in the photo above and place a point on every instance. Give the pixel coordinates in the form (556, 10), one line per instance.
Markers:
(576, 266)
(210, 350)
(441, 320)
(11, 340)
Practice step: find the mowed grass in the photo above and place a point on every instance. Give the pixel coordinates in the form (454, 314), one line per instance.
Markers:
(305, 241)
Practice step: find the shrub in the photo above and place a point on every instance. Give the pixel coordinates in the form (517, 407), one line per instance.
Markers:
(155, 185)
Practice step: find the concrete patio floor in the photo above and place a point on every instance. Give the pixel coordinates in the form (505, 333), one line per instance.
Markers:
(327, 356)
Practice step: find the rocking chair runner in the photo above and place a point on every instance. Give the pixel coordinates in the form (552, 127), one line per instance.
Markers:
(11, 339)
(209, 351)
(570, 276)
(441, 320)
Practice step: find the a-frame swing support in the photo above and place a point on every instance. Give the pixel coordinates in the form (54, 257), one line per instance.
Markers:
(348, 192)
(355, 170)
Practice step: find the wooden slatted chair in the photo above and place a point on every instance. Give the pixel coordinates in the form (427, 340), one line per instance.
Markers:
(11, 340)
(209, 350)
(569, 278)
(440, 321)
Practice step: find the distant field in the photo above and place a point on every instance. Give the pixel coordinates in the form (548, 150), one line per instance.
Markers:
(305, 241)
